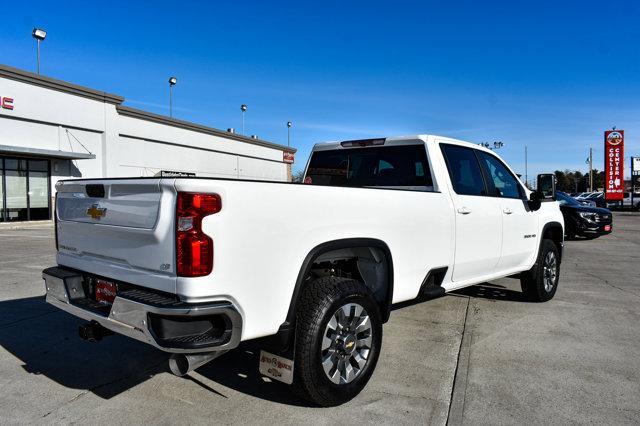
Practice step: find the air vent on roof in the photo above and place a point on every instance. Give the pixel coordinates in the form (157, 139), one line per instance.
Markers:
(254, 136)
(231, 130)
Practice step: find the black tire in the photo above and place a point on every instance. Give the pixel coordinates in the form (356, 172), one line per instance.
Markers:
(570, 231)
(536, 285)
(319, 302)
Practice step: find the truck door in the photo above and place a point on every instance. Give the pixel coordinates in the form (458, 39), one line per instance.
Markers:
(519, 224)
(478, 224)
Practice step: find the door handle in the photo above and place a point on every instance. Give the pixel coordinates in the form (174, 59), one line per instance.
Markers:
(507, 211)
(464, 210)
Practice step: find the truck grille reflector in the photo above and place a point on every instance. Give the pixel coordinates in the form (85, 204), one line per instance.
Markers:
(194, 249)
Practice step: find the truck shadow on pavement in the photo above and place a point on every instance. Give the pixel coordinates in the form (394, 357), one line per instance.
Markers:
(492, 292)
(45, 341)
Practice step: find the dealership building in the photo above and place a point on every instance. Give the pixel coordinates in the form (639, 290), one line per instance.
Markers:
(52, 130)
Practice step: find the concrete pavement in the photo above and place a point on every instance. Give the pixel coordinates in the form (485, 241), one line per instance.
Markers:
(481, 355)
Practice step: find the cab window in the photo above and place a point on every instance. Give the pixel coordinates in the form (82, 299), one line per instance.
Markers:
(402, 166)
(503, 181)
(464, 170)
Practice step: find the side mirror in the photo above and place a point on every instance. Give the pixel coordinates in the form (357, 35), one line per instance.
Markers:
(535, 201)
(546, 186)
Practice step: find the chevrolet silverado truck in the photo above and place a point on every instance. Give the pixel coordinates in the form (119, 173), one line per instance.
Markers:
(194, 266)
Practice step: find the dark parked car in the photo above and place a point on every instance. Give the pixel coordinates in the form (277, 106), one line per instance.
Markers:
(598, 199)
(583, 220)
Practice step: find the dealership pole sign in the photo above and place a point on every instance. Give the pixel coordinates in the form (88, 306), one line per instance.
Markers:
(614, 165)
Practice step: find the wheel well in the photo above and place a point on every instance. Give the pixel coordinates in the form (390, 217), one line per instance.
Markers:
(366, 260)
(553, 231)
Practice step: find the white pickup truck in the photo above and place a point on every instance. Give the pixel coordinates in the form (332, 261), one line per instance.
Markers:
(195, 266)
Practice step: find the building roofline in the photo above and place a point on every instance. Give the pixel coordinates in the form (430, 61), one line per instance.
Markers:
(59, 85)
(162, 119)
(12, 73)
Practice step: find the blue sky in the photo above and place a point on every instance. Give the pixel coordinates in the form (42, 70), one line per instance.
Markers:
(549, 75)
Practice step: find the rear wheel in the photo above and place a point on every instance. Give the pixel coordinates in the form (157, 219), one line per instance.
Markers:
(540, 283)
(338, 339)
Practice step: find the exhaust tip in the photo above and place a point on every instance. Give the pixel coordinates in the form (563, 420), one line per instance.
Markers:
(179, 365)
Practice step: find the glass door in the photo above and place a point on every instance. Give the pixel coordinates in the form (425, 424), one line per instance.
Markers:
(38, 189)
(15, 176)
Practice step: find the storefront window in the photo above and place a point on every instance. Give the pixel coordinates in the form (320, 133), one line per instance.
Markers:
(24, 189)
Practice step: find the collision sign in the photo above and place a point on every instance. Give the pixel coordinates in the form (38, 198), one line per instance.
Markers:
(614, 165)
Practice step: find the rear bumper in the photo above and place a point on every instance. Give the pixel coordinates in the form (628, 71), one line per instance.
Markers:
(134, 318)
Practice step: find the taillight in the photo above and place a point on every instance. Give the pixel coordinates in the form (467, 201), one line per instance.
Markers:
(194, 249)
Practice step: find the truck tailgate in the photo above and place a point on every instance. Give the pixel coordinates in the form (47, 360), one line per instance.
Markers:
(121, 229)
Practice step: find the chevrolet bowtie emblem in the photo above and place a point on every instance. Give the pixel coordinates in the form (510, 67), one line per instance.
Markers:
(349, 345)
(96, 212)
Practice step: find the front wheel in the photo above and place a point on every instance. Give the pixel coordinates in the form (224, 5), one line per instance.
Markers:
(540, 283)
(338, 340)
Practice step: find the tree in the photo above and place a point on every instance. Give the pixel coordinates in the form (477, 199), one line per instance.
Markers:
(298, 176)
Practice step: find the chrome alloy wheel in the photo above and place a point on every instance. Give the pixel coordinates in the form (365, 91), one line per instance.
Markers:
(346, 344)
(550, 271)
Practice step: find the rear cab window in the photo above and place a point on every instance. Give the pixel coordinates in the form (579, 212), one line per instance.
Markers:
(394, 167)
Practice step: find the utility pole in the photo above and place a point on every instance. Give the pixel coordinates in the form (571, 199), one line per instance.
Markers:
(590, 169)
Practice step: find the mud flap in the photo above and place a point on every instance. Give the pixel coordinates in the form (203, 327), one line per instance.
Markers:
(276, 367)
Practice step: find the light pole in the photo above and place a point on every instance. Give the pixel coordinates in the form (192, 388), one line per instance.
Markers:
(243, 108)
(496, 145)
(289, 124)
(172, 82)
(526, 167)
(39, 34)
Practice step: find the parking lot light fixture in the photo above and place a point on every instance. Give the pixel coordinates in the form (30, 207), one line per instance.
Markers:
(39, 34)
(172, 82)
(289, 124)
(243, 108)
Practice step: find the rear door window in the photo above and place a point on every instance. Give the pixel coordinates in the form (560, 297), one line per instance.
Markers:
(401, 166)
(464, 170)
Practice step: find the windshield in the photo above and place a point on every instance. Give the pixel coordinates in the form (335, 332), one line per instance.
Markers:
(566, 200)
(389, 166)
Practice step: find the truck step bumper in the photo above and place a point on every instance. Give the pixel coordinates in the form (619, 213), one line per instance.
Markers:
(168, 325)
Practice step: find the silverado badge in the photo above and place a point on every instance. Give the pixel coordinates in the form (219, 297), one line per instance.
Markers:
(96, 212)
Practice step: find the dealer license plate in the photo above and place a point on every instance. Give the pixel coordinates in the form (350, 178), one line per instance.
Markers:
(105, 292)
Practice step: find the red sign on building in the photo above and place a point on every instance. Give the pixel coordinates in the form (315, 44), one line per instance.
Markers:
(614, 165)
(288, 157)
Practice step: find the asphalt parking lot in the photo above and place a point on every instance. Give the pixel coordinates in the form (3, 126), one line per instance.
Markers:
(482, 355)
